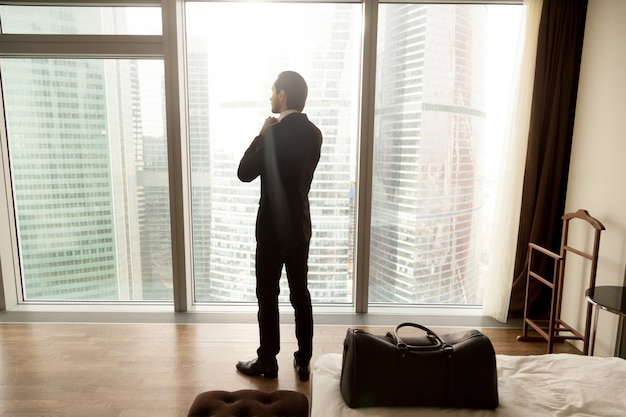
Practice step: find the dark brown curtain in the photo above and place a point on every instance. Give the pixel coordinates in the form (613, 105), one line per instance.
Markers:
(549, 141)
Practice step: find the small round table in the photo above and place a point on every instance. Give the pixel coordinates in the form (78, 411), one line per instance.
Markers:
(609, 298)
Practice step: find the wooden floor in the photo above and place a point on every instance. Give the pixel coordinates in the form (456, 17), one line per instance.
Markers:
(156, 370)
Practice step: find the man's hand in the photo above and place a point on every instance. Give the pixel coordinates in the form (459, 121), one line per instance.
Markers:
(268, 122)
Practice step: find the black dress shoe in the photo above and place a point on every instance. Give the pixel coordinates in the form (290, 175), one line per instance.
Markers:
(256, 368)
(303, 371)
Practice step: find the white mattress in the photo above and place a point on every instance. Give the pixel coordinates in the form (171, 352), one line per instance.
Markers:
(542, 385)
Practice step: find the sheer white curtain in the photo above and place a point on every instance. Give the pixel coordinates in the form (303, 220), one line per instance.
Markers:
(499, 276)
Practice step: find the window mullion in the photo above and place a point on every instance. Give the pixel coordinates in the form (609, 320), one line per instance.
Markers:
(100, 46)
(178, 151)
(9, 267)
(365, 155)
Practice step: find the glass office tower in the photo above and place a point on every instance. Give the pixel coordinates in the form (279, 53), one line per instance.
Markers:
(62, 178)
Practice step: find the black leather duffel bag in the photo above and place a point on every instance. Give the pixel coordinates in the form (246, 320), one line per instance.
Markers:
(452, 370)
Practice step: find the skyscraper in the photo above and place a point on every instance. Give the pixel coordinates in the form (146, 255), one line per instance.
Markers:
(58, 130)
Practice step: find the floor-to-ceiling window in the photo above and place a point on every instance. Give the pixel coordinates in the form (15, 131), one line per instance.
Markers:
(87, 164)
(235, 52)
(442, 78)
(86, 140)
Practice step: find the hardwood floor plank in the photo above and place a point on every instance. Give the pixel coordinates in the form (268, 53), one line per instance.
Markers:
(124, 370)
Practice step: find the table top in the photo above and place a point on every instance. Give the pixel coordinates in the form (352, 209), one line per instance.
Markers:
(610, 298)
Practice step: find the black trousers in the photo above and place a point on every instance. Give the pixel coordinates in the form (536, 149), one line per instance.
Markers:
(270, 259)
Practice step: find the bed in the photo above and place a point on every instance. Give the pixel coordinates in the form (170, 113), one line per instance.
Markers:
(541, 385)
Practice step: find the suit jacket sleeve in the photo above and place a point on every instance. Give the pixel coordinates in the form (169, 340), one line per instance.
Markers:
(251, 164)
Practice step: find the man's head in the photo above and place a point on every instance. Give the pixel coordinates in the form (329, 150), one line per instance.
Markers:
(289, 92)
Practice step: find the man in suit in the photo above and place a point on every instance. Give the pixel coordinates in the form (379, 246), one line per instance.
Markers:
(285, 155)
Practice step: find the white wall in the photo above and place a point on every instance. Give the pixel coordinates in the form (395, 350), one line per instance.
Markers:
(598, 165)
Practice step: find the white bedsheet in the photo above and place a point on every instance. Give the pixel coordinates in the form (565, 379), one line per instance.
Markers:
(528, 386)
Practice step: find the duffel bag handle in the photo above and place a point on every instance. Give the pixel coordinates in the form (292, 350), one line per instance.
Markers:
(437, 342)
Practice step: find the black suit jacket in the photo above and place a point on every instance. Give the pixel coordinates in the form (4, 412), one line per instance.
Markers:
(285, 157)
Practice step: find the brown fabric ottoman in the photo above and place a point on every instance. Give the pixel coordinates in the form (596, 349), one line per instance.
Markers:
(249, 402)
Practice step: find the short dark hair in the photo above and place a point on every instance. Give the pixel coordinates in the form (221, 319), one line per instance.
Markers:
(295, 87)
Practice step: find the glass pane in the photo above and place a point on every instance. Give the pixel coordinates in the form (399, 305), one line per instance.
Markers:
(235, 52)
(89, 169)
(437, 138)
(50, 20)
